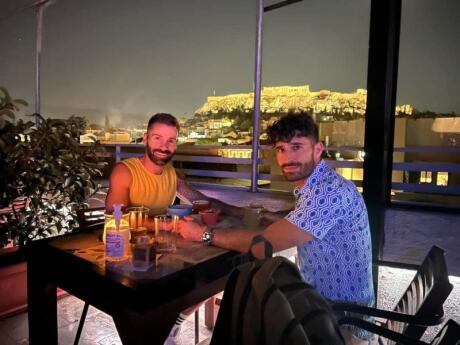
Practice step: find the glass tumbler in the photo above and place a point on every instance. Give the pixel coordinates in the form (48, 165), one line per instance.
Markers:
(165, 228)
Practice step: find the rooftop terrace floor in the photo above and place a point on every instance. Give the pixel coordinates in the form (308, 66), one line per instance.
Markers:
(409, 236)
(99, 328)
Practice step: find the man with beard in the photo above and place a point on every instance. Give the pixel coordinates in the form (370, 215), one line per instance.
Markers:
(151, 180)
(329, 224)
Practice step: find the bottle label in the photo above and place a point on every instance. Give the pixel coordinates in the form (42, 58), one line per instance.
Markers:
(114, 245)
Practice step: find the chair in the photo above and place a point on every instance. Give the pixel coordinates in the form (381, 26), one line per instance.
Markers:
(90, 218)
(448, 335)
(420, 306)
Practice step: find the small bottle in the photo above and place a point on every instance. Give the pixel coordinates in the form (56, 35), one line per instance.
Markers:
(117, 237)
(142, 252)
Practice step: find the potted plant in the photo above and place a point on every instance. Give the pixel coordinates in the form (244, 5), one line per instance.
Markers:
(45, 166)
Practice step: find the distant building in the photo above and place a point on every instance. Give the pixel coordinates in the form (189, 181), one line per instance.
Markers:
(231, 134)
(196, 135)
(220, 123)
(137, 134)
(117, 137)
(226, 141)
(235, 153)
(107, 125)
(88, 138)
(284, 99)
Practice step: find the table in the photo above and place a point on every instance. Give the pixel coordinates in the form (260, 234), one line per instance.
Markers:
(143, 305)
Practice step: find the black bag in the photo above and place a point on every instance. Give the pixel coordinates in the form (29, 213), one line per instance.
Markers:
(266, 302)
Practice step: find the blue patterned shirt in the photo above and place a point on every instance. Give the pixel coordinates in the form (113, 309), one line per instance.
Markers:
(338, 262)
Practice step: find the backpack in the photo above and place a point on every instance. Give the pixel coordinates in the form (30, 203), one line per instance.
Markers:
(266, 302)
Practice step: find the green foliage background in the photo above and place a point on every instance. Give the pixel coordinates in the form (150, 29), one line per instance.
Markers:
(46, 165)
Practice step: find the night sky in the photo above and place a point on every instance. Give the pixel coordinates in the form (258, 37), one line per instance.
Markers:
(131, 59)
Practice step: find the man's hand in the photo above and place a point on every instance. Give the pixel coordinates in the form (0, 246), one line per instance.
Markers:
(190, 230)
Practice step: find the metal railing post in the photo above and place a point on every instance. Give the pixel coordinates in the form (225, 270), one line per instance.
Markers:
(257, 91)
(40, 8)
(117, 153)
(38, 49)
(382, 80)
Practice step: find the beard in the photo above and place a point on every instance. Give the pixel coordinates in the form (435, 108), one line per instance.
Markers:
(157, 160)
(302, 172)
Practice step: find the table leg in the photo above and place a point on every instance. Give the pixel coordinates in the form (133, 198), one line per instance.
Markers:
(42, 306)
(210, 312)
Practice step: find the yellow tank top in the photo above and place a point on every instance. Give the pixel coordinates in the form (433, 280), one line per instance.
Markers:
(156, 192)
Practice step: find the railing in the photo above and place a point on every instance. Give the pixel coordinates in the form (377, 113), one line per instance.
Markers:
(449, 163)
(209, 164)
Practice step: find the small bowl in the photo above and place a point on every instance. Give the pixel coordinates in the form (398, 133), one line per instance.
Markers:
(209, 217)
(179, 210)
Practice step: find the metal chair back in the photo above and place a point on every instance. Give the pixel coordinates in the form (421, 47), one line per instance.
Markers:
(448, 335)
(90, 218)
(425, 295)
(420, 306)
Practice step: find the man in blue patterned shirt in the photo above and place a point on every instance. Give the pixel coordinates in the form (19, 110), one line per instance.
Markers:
(329, 224)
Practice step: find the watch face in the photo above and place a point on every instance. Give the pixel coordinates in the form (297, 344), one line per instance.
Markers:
(206, 237)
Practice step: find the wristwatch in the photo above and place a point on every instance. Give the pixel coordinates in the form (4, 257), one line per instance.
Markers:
(207, 236)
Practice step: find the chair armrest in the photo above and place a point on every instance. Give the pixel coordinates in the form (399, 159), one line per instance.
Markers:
(382, 331)
(390, 315)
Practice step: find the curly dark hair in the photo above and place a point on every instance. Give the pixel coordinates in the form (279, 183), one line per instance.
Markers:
(164, 118)
(293, 125)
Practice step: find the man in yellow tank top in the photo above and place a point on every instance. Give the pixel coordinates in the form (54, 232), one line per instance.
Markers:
(151, 180)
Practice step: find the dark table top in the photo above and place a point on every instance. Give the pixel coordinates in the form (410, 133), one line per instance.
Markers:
(192, 265)
(76, 263)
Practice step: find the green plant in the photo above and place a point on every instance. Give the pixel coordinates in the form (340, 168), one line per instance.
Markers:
(8, 106)
(47, 166)
(8, 109)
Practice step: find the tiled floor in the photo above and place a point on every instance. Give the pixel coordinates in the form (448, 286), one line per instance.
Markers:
(409, 237)
(100, 330)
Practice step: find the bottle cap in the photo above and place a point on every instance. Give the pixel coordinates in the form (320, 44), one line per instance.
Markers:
(117, 215)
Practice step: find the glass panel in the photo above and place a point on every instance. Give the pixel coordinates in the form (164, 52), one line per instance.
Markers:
(426, 169)
(17, 25)
(117, 62)
(317, 50)
(427, 132)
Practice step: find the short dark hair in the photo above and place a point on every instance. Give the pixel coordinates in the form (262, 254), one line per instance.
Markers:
(293, 125)
(164, 118)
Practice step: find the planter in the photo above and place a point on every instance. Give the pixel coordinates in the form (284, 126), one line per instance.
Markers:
(13, 289)
(13, 282)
